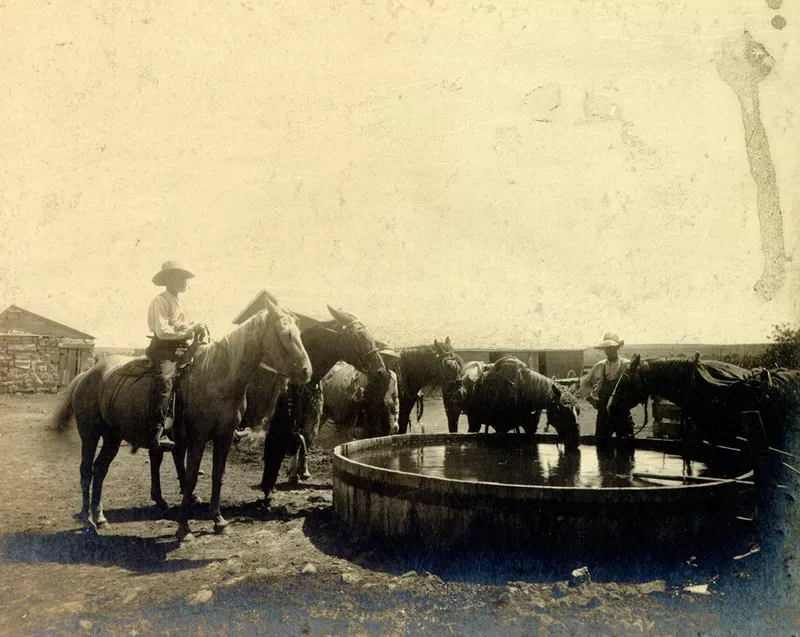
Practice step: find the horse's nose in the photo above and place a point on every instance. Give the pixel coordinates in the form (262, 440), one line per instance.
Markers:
(305, 373)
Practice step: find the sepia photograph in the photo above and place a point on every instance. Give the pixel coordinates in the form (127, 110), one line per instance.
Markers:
(400, 317)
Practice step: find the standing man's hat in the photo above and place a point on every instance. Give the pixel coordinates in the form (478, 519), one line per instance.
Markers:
(170, 266)
(610, 339)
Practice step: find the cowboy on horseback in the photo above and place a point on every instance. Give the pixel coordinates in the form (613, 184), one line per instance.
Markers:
(598, 385)
(168, 320)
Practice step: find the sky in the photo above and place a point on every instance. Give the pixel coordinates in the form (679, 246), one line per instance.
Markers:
(503, 174)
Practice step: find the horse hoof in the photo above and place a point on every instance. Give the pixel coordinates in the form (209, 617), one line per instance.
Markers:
(102, 523)
(184, 536)
(196, 499)
(162, 506)
(222, 529)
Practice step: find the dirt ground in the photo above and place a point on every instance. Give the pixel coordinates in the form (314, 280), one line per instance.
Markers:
(291, 569)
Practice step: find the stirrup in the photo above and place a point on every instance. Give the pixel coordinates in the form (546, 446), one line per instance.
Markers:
(162, 441)
(165, 443)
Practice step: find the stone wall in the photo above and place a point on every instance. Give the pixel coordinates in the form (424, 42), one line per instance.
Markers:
(29, 363)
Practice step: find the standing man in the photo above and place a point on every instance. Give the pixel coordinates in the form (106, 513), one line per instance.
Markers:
(598, 385)
(169, 323)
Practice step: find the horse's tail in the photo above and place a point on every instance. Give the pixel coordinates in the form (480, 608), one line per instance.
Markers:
(420, 402)
(63, 415)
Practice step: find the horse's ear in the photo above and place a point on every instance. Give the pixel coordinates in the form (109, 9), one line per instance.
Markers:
(635, 361)
(342, 317)
(696, 357)
(447, 342)
(272, 306)
(557, 390)
(766, 378)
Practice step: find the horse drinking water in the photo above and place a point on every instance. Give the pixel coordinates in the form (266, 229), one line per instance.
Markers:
(510, 395)
(110, 401)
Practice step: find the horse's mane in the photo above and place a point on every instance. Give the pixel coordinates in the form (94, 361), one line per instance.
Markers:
(666, 368)
(223, 356)
(537, 386)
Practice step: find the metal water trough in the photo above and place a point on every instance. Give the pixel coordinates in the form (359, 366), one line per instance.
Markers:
(413, 510)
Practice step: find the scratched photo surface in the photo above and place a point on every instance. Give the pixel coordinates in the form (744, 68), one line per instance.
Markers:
(396, 183)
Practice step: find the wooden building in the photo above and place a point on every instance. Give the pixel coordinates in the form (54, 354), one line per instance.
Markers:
(260, 303)
(38, 354)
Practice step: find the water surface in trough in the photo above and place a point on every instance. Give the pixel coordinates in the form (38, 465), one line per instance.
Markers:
(539, 464)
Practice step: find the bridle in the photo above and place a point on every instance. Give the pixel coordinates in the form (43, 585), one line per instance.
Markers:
(350, 333)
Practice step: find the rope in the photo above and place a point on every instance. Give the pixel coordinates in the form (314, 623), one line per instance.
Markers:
(644, 424)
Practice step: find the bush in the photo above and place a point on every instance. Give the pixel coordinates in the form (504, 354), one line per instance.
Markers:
(785, 349)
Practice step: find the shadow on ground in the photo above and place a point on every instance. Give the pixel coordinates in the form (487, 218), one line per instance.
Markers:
(137, 554)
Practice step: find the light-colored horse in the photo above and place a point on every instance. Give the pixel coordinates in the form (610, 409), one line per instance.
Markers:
(112, 401)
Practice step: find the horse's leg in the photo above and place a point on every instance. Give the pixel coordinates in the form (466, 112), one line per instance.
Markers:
(406, 405)
(179, 460)
(108, 452)
(156, 457)
(89, 440)
(453, 414)
(222, 445)
(276, 443)
(196, 449)
(473, 423)
(302, 459)
(293, 451)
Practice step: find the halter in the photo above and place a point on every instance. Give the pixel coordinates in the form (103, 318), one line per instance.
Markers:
(350, 331)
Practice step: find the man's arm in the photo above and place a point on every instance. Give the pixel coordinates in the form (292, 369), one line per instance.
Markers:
(161, 325)
(589, 381)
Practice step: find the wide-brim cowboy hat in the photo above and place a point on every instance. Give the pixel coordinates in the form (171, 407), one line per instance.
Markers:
(166, 268)
(610, 340)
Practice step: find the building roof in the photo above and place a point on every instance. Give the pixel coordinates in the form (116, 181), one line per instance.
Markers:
(15, 319)
(259, 303)
(517, 349)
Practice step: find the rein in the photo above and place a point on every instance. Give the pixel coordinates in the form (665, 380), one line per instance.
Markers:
(269, 368)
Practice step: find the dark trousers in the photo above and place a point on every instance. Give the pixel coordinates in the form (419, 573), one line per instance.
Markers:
(606, 426)
(164, 356)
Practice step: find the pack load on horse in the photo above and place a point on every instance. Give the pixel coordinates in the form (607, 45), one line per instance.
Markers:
(356, 403)
(426, 366)
(112, 402)
(292, 415)
(510, 395)
(712, 396)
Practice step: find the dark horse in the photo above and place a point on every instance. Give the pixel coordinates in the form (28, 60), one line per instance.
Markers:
(293, 415)
(422, 366)
(110, 401)
(712, 395)
(458, 393)
(510, 395)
